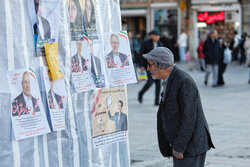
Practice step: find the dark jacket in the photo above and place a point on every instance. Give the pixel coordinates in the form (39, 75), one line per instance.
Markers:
(181, 123)
(110, 60)
(98, 70)
(211, 51)
(75, 64)
(59, 100)
(46, 28)
(146, 47)
(122, 123)
(19, 106)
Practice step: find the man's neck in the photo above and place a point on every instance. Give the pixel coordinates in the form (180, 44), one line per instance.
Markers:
(27, 95)
(115, 53)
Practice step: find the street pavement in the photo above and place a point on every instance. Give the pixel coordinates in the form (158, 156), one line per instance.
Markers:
(227, 111)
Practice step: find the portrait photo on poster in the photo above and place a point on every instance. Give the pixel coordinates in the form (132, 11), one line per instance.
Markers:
(76, 19)
(28, 115)
(81, 75)
(56, 100)
(96, 64)
(44, 16)
(118, 60)
(90, 19)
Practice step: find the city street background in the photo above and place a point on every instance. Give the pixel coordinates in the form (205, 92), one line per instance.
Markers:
(227, 111)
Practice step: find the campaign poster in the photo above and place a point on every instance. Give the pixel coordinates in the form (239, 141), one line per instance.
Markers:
(56, 99)
(81, 76)
(90, 18)
(109, 116)
(76, 19)
(27, 112)
(45, 16)
(118, 59)
(96, 65)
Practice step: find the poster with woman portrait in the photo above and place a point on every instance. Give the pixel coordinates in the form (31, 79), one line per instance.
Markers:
(56, 99)
(27, 112)
(75, 9)
(118, 59)
(109, 116)
(90, 19)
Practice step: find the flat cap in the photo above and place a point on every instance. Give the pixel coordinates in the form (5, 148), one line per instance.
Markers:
(162, 56)
(154, 32)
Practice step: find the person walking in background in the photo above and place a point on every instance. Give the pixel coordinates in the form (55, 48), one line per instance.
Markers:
(211, 52)
(247, 49)
(182, 128)
(136, 48)
(234, 46)
(222, 65)
(165, 40)
(182, 43)
(242, 52)
(146, 47)
(201, 55)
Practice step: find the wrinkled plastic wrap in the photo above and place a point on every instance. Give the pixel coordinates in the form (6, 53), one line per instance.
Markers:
(71, 147)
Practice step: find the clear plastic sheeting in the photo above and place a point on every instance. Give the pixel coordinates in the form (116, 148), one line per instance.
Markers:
(73, 146)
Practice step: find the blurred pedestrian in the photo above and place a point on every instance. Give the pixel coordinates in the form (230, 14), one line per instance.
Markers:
(247, 49)
(201, 55)
(182, 44)
(234, 46)
(242, 49)
(211, 52)
(147, 46)
(181, 124)
(136, 47)
(222, 65)
(130, 38)
(165, 40)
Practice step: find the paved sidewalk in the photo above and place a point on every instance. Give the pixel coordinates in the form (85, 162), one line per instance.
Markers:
(227, 110)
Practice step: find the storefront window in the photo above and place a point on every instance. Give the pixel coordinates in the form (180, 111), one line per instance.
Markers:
(166, 21)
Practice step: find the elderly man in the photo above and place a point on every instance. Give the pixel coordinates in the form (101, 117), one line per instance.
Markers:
(181, 124)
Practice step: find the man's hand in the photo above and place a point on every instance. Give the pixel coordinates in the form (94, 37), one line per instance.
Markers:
(178, 156)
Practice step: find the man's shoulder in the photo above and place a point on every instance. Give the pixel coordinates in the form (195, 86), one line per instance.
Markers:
(109, 54)
(19, 97)
(74, 57)
(123, 55)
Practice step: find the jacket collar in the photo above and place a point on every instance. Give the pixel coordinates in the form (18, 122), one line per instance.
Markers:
(170, 79)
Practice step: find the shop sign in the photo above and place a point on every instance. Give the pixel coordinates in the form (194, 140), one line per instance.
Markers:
(205, 17)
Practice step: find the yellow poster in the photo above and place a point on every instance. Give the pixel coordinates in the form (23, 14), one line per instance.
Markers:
(51, 52)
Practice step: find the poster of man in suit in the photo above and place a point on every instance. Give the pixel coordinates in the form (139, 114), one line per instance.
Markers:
(56, 100)
(109, 115)
(96, 63)
(81, 68)
(26, 104)
(44, 17)
(118, 60)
